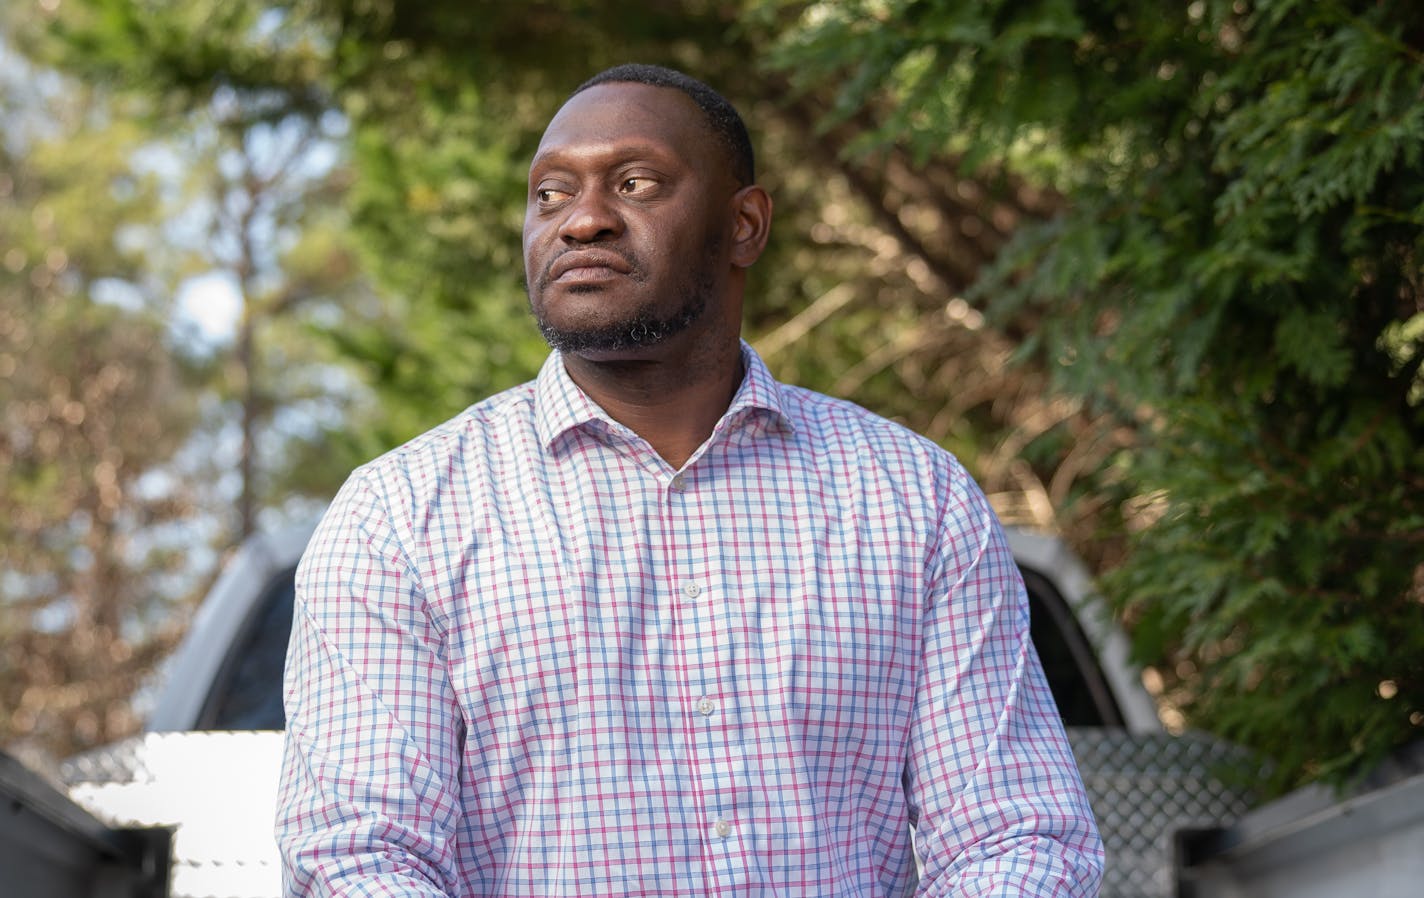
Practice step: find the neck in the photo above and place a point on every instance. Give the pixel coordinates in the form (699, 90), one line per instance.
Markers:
(671, 399)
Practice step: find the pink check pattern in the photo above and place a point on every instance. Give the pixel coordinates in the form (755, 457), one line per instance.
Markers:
(531, 659)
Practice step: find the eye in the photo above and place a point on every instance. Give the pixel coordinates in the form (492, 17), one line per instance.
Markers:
(550, 195)
(635, 185)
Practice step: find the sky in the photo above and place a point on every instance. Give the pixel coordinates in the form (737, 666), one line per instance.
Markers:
(209, 307)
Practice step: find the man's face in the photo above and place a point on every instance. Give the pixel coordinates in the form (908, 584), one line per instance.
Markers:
(628, 222)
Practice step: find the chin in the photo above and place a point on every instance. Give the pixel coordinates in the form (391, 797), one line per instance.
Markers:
(615, 338)
(645, 330)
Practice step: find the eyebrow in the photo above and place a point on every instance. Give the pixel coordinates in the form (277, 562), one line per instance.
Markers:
(617, 153)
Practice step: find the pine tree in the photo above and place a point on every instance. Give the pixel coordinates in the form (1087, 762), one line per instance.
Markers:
(1237, 276)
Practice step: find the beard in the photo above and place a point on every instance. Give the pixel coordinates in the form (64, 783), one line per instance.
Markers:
(645, 326)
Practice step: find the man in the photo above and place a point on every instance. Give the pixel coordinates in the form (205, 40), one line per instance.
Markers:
(655, 624)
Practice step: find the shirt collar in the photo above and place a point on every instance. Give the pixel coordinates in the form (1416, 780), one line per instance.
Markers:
(560, 406)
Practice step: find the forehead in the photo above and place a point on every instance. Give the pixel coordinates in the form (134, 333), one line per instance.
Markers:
(620, 116)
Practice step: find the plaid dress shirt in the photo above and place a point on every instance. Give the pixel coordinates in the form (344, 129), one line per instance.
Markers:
(531, 659)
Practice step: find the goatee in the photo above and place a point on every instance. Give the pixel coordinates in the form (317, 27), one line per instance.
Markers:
(644, 329)
(647, 325)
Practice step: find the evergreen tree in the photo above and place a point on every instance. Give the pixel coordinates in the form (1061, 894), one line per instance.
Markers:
(1237, 275)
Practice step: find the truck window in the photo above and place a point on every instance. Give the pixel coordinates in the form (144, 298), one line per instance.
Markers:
(247, 693)
(1079, 688)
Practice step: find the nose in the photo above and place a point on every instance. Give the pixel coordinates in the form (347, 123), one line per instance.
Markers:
(590, 217)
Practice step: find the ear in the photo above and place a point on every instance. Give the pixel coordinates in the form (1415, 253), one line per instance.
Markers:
(751, 207)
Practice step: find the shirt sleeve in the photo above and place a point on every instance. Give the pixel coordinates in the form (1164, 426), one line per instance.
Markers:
(995, 795)
(368, 800)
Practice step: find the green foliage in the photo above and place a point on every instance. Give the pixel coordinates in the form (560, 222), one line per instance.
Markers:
(438, 207)
(1239, 268)
(1277, 581)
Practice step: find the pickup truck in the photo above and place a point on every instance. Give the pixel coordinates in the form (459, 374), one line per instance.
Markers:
(207, 767)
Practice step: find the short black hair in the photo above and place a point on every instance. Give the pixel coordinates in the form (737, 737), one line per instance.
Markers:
(721, 115)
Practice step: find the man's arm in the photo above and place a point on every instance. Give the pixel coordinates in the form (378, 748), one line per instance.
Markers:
(369, 795)
(995, 796)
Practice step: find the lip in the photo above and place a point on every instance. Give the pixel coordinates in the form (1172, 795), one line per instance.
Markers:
(587, 265)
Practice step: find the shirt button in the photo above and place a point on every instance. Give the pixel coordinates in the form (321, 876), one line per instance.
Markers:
(722, 828)
(705, 707)
(691, 590)
(679, 483)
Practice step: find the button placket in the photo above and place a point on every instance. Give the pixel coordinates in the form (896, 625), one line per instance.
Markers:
(696, 588)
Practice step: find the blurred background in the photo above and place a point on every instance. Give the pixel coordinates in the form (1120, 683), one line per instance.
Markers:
(1151, 270)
